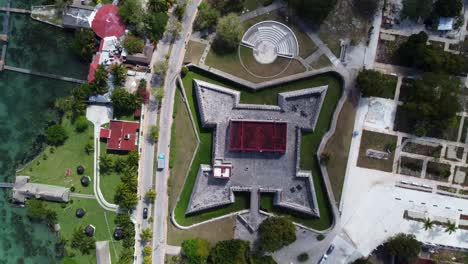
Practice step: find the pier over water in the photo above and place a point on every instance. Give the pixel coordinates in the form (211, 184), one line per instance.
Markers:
(4, 38)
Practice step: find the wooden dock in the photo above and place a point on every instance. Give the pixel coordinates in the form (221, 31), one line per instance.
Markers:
(43, 74)
(15, 10)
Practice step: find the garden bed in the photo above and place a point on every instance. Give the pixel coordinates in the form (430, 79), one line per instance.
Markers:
(379, 142)
(421, 149)
(437, 171)
(410, 166)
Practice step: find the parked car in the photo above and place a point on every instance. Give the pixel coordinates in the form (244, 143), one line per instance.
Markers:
(330, 249)
(145, 213)
(161, 162)
(323, 259)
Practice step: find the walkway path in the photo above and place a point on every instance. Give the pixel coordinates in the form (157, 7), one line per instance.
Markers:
(85, 196)
(15, 10)
(315, 38)
(99, 115)
(262, 10)
(43, 74)
(313, 57)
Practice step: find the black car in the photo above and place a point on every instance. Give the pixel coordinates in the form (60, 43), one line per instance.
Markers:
(145, 213)
(330, 249)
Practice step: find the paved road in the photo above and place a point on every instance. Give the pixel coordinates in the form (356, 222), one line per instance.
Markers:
(165, 122)
(145, 181)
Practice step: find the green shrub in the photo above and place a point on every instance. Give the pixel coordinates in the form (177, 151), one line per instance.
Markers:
(56, 135)
(81, 124)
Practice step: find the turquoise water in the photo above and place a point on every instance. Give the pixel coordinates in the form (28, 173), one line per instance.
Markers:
(25, 110)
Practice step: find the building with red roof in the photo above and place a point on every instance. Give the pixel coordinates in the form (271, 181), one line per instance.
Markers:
(107, 22)
(92, 67)
(121, 135)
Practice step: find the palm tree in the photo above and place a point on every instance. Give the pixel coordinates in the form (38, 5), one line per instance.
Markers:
(428, 224)
(450, 227)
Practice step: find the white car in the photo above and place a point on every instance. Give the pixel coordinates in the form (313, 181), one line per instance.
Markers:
(323, 259)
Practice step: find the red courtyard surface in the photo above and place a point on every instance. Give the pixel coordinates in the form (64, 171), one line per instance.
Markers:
(121, 135)
(107, 22)
(257, 136)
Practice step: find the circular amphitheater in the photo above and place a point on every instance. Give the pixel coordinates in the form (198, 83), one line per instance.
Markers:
(270, 39)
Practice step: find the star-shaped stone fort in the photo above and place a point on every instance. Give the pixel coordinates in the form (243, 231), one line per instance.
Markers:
(256, 148)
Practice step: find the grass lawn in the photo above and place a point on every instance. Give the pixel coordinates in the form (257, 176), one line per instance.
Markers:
(376, 141)
(194, 52)
(183, 145)
(310, 142)
(339, 145)
(96, 216)
(321, 62)
(229, 62)
(50, 168)
(306, 45)
(109, 181)
(213, 232)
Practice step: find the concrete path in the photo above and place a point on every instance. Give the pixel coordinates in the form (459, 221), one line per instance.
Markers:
(262, 10)
(84, 196)
(313, 57)
(99, 115)
(173, 250)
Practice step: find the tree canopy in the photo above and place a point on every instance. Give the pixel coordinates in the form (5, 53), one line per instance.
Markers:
(124, 102)
(82, 242)
(132, 13)
(276, 232)
(133, 44)
(81, 124)
(38, 211)
(374, 83)
(366, 8)
(119, 73)
(229, 31)
(416, 53)
(415, 9)
(448, 8)
(99, 83)
(404, 247)
(207, 16)
(196, 250)
(84, 44)
(432, 104)
(124, 221)
(314, 11)
(227, 6)
(233, 251)
(56, 135)
(156, 23)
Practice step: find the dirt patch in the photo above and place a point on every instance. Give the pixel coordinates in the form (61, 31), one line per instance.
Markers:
(213, 232)
(343, 23)
(415, 148)
(386, 49)
(379, 142)
(194, 52)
